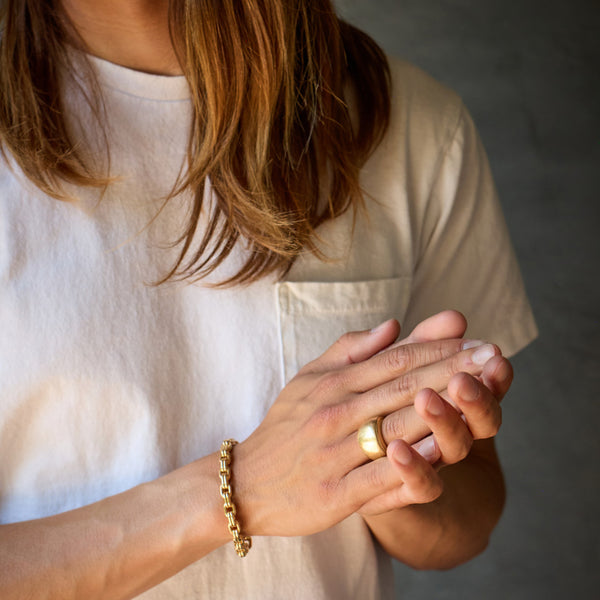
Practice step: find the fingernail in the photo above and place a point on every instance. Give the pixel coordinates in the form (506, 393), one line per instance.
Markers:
(435, 406)
(427, 449)
(483, 354)
(402, 454)
(471, 344)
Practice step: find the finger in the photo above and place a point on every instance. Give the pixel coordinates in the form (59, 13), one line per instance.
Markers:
(399, 392)
(481, 409)
(452, 439)
(404, 477)
(404, 424)
(354, 347)
(429, 450)
(399, 360)
(498, 376)
(408, 425)
(395, 400)
(445, 325)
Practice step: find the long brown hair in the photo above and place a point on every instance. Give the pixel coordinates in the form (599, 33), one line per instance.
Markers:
(293, 61)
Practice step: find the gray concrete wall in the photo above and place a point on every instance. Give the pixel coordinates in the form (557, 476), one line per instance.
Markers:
(530, 73)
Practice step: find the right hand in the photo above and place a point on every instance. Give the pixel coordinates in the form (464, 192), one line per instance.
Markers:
(301, 471)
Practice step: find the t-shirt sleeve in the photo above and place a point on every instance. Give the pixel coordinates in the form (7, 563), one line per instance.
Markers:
(465, 259)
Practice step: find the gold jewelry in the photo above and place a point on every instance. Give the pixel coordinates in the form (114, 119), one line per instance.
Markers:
(370, 438)
(242, 543)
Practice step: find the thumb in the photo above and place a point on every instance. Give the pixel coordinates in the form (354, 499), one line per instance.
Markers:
(355, 346)
(445, 325)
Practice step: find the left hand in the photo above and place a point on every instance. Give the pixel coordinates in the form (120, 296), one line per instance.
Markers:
(468, 410)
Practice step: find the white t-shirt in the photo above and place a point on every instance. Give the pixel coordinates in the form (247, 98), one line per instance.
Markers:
(108, 381)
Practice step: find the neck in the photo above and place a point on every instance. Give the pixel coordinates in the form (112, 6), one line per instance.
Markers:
(131, 33)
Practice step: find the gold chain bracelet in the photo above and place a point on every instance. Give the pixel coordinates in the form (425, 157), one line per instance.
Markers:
(242, 543)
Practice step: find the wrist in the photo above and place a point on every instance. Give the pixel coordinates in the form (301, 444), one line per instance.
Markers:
(250, 483)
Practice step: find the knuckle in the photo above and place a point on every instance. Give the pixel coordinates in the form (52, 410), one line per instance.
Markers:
(495, 422)
(328, 383)
(463, 449)
(394, 426)
(394, 498)
(307, 370)
(454, 366)
(345, 341)
(328, 491)
(428, 489)
(327, 419)
(403, 386)
(438, 351)
(326, 455)
(397, 497)
(491, 419)
(434, 352)
(457, 445)
(328, 487)
(398, 360)
(435, 489)
(374, 477)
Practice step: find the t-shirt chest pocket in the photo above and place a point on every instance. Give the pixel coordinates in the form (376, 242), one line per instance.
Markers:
(312, 315)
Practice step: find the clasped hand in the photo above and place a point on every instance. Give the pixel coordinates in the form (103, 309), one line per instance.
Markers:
(302, 470)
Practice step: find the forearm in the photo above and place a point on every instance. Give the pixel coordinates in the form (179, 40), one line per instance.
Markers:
(456, 526)
(120, 546)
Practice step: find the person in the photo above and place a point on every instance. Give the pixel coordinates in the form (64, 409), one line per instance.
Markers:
(214, 215)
